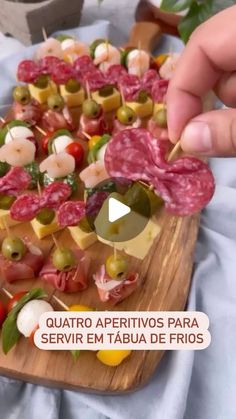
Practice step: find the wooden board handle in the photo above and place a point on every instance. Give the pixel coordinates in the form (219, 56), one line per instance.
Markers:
(145, 35)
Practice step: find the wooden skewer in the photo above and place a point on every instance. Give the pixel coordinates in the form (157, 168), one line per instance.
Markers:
(8, 294)
(88, 90)
(86, 135)
(174, 151)
(39, 188)
(9, 131)
(123, 102)
(39, 129)
(2, 120)
(60, 303)
(139, 58)
(107, 47)
(115, 252)
(45, 36)
(6, 226)
(55, 241)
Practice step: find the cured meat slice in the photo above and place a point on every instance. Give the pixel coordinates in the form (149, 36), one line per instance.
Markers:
(30, 113)
(159, 90)
(114, 291)
(48, 64)
(83, 65)
(25, 208)
(55, 194)
(95, 80)
(53, 121)
(149, 77)
(28, 71)
(15, 181)
(27, 268)
(70, 213)
(130, 85)
(156, 131)
(186, 185)
(114, 73)
(73, 281)
(62, 72)
(96, 126)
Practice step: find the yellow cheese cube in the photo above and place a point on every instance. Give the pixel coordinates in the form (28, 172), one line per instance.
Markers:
(41, 95)
(6, 220)
(72, 99)
(142, 110)
(140, 245)
(42, 231)
(158, 107)
(109, 103)
(82, 239)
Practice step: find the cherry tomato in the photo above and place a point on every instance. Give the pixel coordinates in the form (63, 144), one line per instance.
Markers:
(31, 336)
(44, 142)
(76, 150)
(3, 313)
(14, 300)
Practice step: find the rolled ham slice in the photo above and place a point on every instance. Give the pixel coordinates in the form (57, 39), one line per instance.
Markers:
(27, 268)
(114, 291)
(69, 282)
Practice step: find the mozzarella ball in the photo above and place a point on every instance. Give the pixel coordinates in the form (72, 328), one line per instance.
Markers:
(28, 317)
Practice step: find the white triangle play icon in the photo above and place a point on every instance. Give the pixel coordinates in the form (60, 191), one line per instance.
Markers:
(116, 210)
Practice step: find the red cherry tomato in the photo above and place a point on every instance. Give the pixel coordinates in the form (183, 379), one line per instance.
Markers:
(76, 150)
(31, 336)
(14, 300)
(44, 142)
(3, 313)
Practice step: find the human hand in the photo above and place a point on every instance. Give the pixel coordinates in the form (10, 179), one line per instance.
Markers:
(208, 62)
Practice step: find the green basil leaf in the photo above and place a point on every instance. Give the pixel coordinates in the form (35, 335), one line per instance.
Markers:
(197, 14)
(75, 353)
(10, 333)
(175, 6)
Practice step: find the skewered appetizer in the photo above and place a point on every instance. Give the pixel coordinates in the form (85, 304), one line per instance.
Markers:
(24, 317)
(19, 259)
(104, 54)
(126, 118)
(113, 280)
(67, 270)
(136, 61)
(58, 115)
(92, 120)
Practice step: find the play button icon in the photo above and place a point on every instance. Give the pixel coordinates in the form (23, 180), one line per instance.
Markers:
(116, 210)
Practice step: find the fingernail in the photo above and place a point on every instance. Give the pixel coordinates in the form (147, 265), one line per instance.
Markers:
(197, 137)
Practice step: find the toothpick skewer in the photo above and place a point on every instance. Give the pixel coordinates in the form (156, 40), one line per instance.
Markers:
(9, 131)
(39, 129)
(8, 294)
(107, 48)
(6, 226)
(39, 189)
(174, 151)
(123, 102)
(60, 303)
(86, 135)
(55, 241)
(2, 120)
(45, 37)
(88, 90)
(139, 58)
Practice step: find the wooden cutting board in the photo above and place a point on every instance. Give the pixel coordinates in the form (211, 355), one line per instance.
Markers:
(166, 275)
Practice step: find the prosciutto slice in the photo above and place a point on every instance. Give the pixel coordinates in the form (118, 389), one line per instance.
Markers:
(72, 281)
(114, 291)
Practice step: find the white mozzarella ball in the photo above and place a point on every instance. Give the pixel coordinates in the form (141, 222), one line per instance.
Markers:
(18, 133)
(60, 143)
(28, 317)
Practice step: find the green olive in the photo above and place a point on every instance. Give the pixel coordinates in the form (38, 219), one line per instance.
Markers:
(142, 96)
(73, 86)
(106, 91)
(117, 266)
(42, 81)
(4, 167)
(126, 115)
(90, 108)
(13, 248)
(6, 201)
(45, 216)
(55, 102)
(160, 118)
(84, 225)
(21, 95)
(63, 259)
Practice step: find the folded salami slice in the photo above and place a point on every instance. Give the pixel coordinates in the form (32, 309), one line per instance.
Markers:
(186, 185)
(55, 194)
(70, 213)
(15, 181)
(62, 72)
(95, 80)
(48, 64)
(148, 79)
(83, 65)
(114, 73)
(28, 71)
(159, 90)
(130, 85)
(25, 208)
